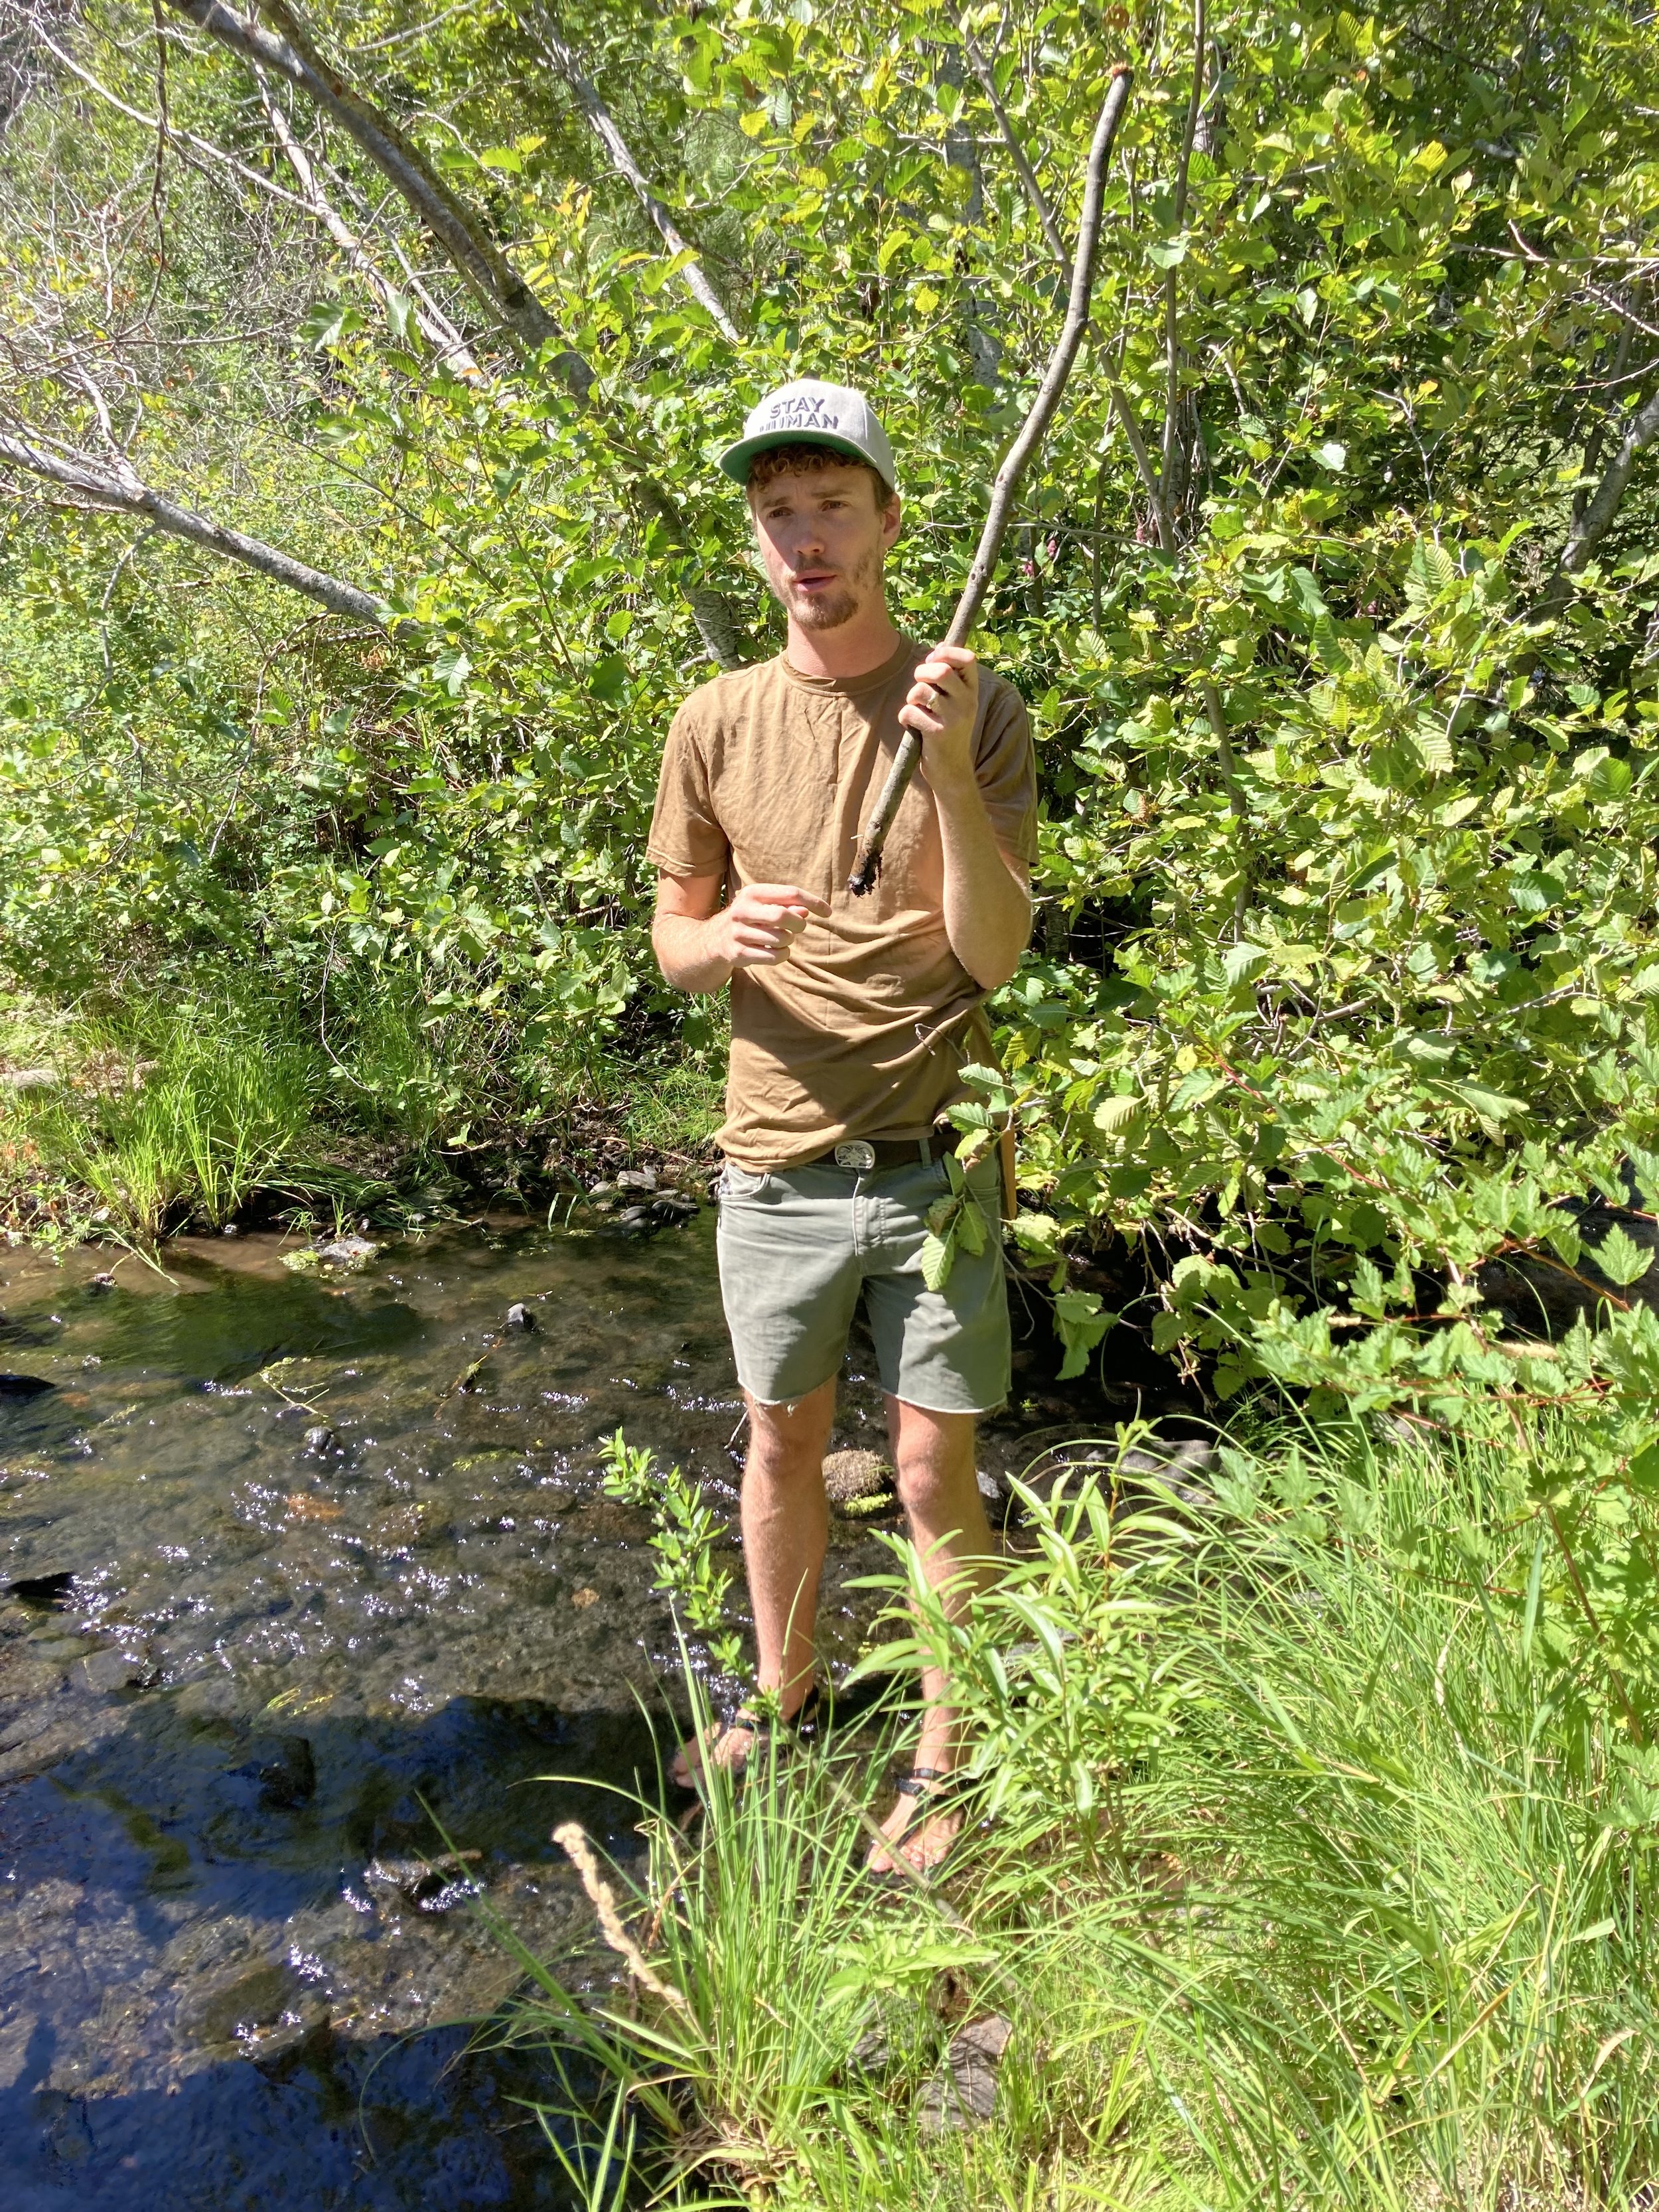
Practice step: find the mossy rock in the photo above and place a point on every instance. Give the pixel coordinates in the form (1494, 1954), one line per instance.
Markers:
(858, 1482)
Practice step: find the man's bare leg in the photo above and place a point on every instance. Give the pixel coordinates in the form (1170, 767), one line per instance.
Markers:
(785, 1531)
(939, 1489)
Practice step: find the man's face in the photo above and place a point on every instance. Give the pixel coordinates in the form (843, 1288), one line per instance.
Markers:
(824, 538)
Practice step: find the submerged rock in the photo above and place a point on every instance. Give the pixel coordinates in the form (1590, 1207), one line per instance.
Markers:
(44, 1592)
(344, 1256)
(20, 1389)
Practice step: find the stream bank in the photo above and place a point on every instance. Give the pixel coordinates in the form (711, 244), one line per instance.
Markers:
(299, 1596)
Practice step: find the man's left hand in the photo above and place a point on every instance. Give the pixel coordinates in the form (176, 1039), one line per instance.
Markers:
(941, 707)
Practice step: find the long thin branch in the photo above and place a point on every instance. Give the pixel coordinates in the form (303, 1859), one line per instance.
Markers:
(867, 860)
(1171, 299)
(93, 483)
(980, 63)
(1143, 461)
(1593, 525)
(438, 329)
(609, 133)
(204, 147)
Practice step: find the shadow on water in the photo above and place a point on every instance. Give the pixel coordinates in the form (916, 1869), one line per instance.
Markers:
(272, 1903)
(295, 1568)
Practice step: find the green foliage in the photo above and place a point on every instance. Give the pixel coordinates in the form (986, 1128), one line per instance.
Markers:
(1058, 1667)
(184, 1121)
(1359, 1910)
(684, 1540)
(1346, 989)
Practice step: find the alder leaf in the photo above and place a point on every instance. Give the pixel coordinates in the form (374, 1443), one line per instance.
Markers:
(938, 1253)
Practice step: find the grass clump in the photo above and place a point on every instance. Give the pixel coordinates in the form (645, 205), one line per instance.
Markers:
(182, 1118)
(1315, 1868)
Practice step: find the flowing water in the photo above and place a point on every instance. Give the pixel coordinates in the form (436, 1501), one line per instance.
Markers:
(255, 1681)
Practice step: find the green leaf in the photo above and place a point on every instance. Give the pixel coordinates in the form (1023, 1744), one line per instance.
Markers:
(329, 321)
(1621, 1258)
(938, 1255)
(971, 1227)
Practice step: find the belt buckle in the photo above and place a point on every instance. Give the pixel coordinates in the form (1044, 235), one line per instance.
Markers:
(856, 1154)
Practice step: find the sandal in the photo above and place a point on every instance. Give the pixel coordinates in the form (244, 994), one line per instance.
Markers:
(811, 1714)
(937, 1787)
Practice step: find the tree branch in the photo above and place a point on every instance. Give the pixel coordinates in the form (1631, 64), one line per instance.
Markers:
(866, 860)
(435, 323)
(609, 133)
(204, 147)
(1143, 461)
(116, 488)
(982, 70)
(1592, 526)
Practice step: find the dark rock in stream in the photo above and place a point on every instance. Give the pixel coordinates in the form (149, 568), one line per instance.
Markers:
(44, 1592)
(286, 1773)
(18, 1389)
(519, 1316)
(319, 1441)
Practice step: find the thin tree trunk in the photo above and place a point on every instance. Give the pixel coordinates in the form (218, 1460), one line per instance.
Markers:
(1169, 490)
(1593, 525)
(93, 483)
(609, 133)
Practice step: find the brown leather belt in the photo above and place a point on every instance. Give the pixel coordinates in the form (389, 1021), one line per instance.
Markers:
(863, 1155)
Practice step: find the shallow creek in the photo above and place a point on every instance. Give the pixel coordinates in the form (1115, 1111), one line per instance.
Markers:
(246, 1682)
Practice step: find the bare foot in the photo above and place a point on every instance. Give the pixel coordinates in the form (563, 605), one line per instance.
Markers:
(729, 1749)
(920, 1838)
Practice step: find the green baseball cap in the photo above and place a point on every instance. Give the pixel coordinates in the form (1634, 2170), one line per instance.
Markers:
(811, 413)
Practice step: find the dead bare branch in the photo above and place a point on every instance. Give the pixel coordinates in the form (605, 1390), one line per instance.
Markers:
(607, 131)
(435, 325)
(116, 489)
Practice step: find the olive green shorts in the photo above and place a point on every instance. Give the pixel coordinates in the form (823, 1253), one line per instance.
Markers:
(799, 1246)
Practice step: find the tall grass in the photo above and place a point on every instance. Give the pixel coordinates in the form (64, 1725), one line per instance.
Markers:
(184, 1118)
(1313, 1880)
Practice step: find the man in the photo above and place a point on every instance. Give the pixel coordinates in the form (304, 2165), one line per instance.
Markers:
(850, 1021)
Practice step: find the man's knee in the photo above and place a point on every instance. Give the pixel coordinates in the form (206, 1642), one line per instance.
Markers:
(933, 1457)
(786, 1441)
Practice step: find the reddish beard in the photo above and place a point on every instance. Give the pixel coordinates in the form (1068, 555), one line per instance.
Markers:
(830, 609)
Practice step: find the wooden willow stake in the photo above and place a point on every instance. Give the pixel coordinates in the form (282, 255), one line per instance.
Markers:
(867, 864)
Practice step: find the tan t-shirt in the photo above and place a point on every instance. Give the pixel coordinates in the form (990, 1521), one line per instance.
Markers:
(766, 776)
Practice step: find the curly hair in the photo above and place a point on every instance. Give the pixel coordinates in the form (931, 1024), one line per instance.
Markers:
(806, 459)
